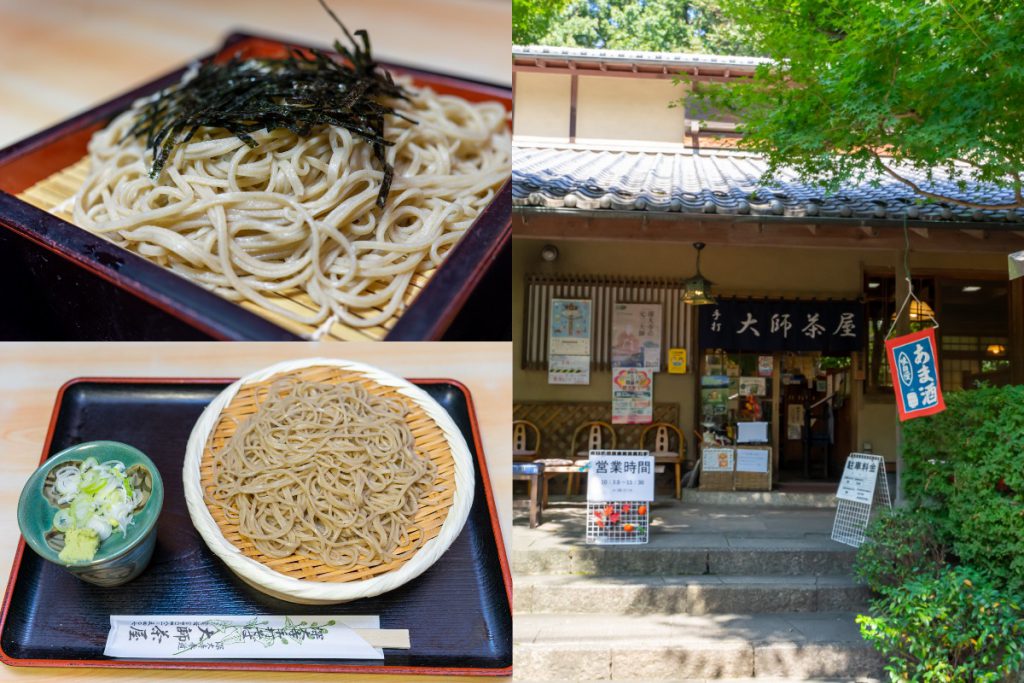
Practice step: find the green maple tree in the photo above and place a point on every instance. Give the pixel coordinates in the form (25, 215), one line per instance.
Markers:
(859, 86)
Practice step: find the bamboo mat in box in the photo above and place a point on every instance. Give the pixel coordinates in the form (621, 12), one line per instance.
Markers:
(62, 185)
(429, 440)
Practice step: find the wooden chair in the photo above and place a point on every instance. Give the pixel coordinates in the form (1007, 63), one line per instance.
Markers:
(664, 451)
(595, 435)
(525, 441)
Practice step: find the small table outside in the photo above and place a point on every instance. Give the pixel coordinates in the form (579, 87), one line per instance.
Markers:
(532, 472)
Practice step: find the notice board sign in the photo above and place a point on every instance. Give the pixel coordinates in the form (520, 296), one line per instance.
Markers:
(620, 488)
(753, 460)
(914, 366)
(569, 370)
(620, 476)
(860, 477)
(863, 489)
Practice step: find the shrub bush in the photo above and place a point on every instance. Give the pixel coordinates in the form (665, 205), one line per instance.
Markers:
(901, 546)
(964, 475)
(955, 626)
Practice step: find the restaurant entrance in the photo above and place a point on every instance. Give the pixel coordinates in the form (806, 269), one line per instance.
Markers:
(815, 434)
(799, 400)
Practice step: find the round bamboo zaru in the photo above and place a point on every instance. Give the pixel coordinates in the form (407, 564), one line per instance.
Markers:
(305, 579)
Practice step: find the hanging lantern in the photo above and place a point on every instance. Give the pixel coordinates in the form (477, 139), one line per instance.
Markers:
(697, 290)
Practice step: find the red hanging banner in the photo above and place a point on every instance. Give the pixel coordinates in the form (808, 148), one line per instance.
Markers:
(914, 366)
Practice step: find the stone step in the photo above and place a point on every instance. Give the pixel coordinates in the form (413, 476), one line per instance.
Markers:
(694, 595)
(791, 646)
(857, 679)
(742, 560)
(791, 499)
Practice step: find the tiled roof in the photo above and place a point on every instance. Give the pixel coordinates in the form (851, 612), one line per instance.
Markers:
(659, 58)
(727, 182)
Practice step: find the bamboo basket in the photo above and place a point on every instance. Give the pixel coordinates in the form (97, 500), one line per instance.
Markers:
(716, 479)
(304, 579)
(48, 194)
(755, 481)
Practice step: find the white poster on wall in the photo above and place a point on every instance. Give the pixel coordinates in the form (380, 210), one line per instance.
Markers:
(569, 370)
(570, 327)
(632, 395)
(636, 336)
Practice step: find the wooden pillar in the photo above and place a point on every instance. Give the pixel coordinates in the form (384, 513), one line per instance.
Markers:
(902, 327)
(1017, 331)
(574, 87)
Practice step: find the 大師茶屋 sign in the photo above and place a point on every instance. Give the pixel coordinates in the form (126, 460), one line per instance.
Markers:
(831, 327)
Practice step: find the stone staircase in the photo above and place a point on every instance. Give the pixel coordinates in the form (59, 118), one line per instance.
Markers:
(697, 604)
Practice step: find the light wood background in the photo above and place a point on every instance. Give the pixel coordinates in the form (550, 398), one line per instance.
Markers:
(60, 57)
(31, 374)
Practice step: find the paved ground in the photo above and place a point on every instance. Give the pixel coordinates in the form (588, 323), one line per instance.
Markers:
(692, 526)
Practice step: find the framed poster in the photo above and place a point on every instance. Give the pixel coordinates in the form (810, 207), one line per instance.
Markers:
(570, 327)
(632, 395)
(753, 386)
(636, 336)
(794, 421)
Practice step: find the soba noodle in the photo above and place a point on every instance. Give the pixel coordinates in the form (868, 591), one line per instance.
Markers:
(296, 215)
(326, 471)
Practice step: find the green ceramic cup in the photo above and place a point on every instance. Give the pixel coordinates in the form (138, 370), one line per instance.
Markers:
(120, 558)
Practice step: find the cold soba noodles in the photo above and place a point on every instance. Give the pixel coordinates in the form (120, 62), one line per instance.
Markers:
(263, 177)
(324, 470)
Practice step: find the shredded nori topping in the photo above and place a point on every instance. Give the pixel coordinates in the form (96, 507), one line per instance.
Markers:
(298, 92)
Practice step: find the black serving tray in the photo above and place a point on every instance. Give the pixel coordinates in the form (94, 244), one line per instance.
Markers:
(458, 612)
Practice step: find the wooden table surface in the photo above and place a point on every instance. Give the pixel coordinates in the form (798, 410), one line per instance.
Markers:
(59, 57)
(31, 374)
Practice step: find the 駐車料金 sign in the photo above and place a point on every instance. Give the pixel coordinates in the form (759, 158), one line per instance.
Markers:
(830, 327)
(859, 478)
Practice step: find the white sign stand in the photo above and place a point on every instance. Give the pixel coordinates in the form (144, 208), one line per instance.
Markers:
(864, 486)
(620, 488)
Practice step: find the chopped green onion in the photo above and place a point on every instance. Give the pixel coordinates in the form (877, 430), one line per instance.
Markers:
(99, 498)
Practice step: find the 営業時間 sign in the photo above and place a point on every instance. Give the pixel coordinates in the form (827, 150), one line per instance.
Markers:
(620, 476)
(831, 327)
